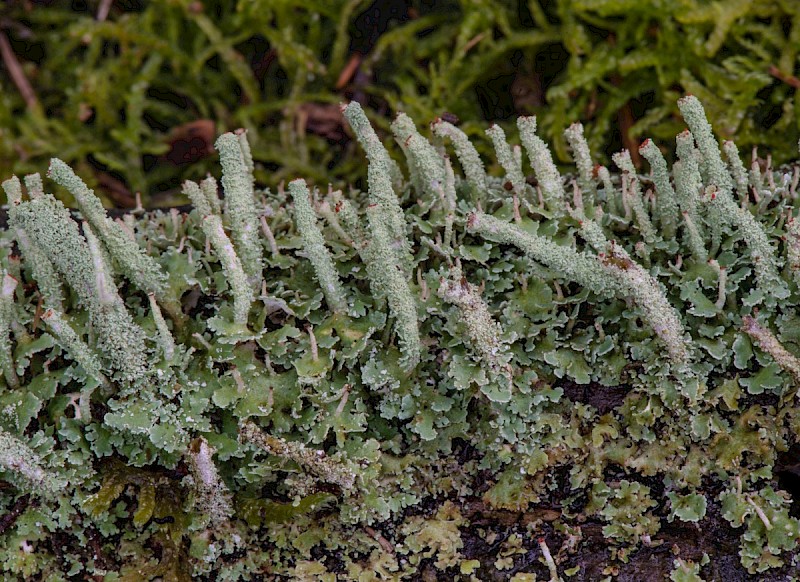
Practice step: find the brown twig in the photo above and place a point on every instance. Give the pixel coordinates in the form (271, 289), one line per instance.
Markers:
(790, 80)
(384, 543)
(473, 41)
(16, 73)
(349, 70)
(103, 9)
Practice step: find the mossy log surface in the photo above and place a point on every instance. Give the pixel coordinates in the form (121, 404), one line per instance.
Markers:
(436, 378)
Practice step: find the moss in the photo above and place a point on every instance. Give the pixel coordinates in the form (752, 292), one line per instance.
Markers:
(133, 98)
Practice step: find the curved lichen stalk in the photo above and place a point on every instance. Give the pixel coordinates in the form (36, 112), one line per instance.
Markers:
(381, 191)
(226, 253)
(138, 267)
(388, 251)
(764, 258)
(42, 268)
(582, 157)
(314, 245)
(391, 282)
(50, 227)
(467, 155)
(610, 274)
(648, 294)
(425, 163)
(506, 157)
(485, 334)
(666, 203)
(542, 163)
(240, 205)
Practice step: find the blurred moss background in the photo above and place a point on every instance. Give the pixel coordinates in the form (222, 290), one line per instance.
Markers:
(133, 93)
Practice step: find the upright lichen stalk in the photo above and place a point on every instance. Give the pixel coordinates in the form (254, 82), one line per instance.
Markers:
(240, 205)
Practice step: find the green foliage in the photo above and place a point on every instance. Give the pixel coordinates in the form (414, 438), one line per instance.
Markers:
(769, 528)
(260, 512)
(626, 509)
(393, 372)
(687, 507)
(688, 571)
(139, 95)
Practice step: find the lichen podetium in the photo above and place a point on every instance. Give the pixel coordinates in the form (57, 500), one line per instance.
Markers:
(333, 399)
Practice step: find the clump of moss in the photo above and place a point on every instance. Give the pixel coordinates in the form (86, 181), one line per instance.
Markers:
(131, 94)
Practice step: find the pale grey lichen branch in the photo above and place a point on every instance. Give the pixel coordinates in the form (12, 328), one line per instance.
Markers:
(447, 194)
(211, 224)
(164, 337)
(694, 238)
(737, 169)
(34, 185)
(387, 253)
(610, 274)
(609, 191)
(592, 232)
(582, 156)
(507, 159)
(542, 163)
(105, 289)
(45, 275)
(695, 117)
(484, 333)
(73, 345)
(578, 266)
(390, 280)
(467, 155)
(138, 267)
(7, 287)
(315, 249)
(666, 204)
(210, 190)
(197, 196)
(381, 191)
(51, 228)
(425, 161)
(648, 294)
(240, 205)
(763, 255)
(79, 351)
(688, 180)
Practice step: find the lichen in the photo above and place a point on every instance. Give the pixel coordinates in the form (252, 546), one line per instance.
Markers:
(433, 355)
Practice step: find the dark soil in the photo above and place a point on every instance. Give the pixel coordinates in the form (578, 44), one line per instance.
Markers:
(488, 529)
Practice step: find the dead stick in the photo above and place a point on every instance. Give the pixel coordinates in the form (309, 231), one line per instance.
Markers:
(790, 80)
(16, 73)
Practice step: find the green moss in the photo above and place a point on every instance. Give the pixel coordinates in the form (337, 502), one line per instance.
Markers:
(139, 95)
